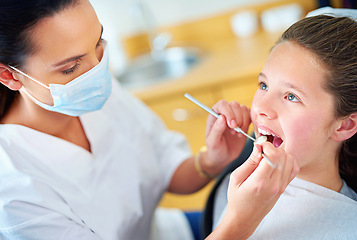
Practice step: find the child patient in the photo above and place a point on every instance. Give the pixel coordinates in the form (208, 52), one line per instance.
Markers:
(306, 104)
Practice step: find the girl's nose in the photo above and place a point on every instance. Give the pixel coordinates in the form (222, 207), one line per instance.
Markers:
(264, 106)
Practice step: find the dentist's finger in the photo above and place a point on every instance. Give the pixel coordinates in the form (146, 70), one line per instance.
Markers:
(286, 168)
(284, 174)
(265, 169)
(281, 173)
(289, 171)
(215, 133)
(246, 118)
(238, 113)
(242, 116)
(240, 174)
(224, 108)
(272, 154)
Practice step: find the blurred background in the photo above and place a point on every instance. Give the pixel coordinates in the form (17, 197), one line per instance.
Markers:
(212, 49)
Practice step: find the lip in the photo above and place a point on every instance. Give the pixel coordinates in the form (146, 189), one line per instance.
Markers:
(277, 141)
(262, 127)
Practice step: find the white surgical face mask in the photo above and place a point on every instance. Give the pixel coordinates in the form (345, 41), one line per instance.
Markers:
(86, 93)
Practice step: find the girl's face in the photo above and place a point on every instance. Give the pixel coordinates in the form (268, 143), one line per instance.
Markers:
(292, 104)
(66, 45)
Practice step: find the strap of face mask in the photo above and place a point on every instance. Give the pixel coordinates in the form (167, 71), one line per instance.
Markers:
(29, 95)
(36, 81)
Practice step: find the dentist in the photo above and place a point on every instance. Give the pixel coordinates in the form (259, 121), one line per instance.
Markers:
(80, 157)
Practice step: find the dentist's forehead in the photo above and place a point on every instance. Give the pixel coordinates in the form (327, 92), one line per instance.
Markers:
(67, 33)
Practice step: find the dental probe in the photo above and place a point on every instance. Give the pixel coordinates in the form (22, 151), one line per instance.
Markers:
(259, 140)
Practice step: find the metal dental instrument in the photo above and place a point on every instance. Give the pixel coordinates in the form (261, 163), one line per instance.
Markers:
(237, 129)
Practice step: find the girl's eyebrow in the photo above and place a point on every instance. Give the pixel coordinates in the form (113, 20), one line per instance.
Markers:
(296, 88)
(75, 58)
(286, 84)
(262, 75)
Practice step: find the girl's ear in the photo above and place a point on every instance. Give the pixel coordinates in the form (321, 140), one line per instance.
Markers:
(7, 78)
(346, 129)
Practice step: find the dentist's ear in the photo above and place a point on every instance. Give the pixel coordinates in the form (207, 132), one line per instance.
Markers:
(346, 128)
(7, 78)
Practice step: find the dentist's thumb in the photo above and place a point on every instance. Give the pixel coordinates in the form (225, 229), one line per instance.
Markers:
(240, 174)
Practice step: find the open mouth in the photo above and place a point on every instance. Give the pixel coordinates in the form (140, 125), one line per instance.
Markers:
(274, 139)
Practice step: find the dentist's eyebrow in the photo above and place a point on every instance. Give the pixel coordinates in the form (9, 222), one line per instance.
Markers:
(68, 60)
(75, 58)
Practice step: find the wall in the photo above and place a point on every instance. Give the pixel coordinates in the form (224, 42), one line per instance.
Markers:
(121, 13)
(120, 18)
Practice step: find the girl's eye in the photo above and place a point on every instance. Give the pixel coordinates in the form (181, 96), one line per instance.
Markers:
(72, 69)
(263, 86)
(291, 97)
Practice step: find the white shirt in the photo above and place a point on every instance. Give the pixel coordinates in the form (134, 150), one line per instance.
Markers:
(309, 211)
(53, 189)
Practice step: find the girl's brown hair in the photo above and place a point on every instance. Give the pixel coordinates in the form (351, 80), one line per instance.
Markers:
(334, 41)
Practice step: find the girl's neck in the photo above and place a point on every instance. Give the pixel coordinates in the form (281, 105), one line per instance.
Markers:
(323, 169)
(326, 176)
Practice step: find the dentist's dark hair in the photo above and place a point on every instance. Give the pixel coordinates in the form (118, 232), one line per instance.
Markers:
(334, 41)
(17, 20)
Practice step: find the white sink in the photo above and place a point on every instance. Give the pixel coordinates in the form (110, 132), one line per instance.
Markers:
(168, 64)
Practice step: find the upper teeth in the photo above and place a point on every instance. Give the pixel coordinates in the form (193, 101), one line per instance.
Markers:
(261, 131)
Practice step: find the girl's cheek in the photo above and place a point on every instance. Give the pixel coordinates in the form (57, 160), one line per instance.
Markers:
(296, 132)
(301, 135)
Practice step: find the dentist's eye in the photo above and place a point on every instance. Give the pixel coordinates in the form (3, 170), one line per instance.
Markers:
(263, 86)
(72, 69)
(292, 98)
(99, 42)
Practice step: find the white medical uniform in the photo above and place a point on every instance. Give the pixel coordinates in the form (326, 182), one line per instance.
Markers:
(53, 189)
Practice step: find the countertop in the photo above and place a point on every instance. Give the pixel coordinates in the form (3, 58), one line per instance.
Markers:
(229, 60)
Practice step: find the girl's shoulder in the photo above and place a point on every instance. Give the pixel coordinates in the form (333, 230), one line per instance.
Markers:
(349, 192)
(302, 188)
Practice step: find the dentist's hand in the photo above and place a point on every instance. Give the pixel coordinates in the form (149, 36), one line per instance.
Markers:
(223, 143)
(253, 190)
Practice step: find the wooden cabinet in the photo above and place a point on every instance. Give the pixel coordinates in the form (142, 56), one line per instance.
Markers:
(182, 115)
